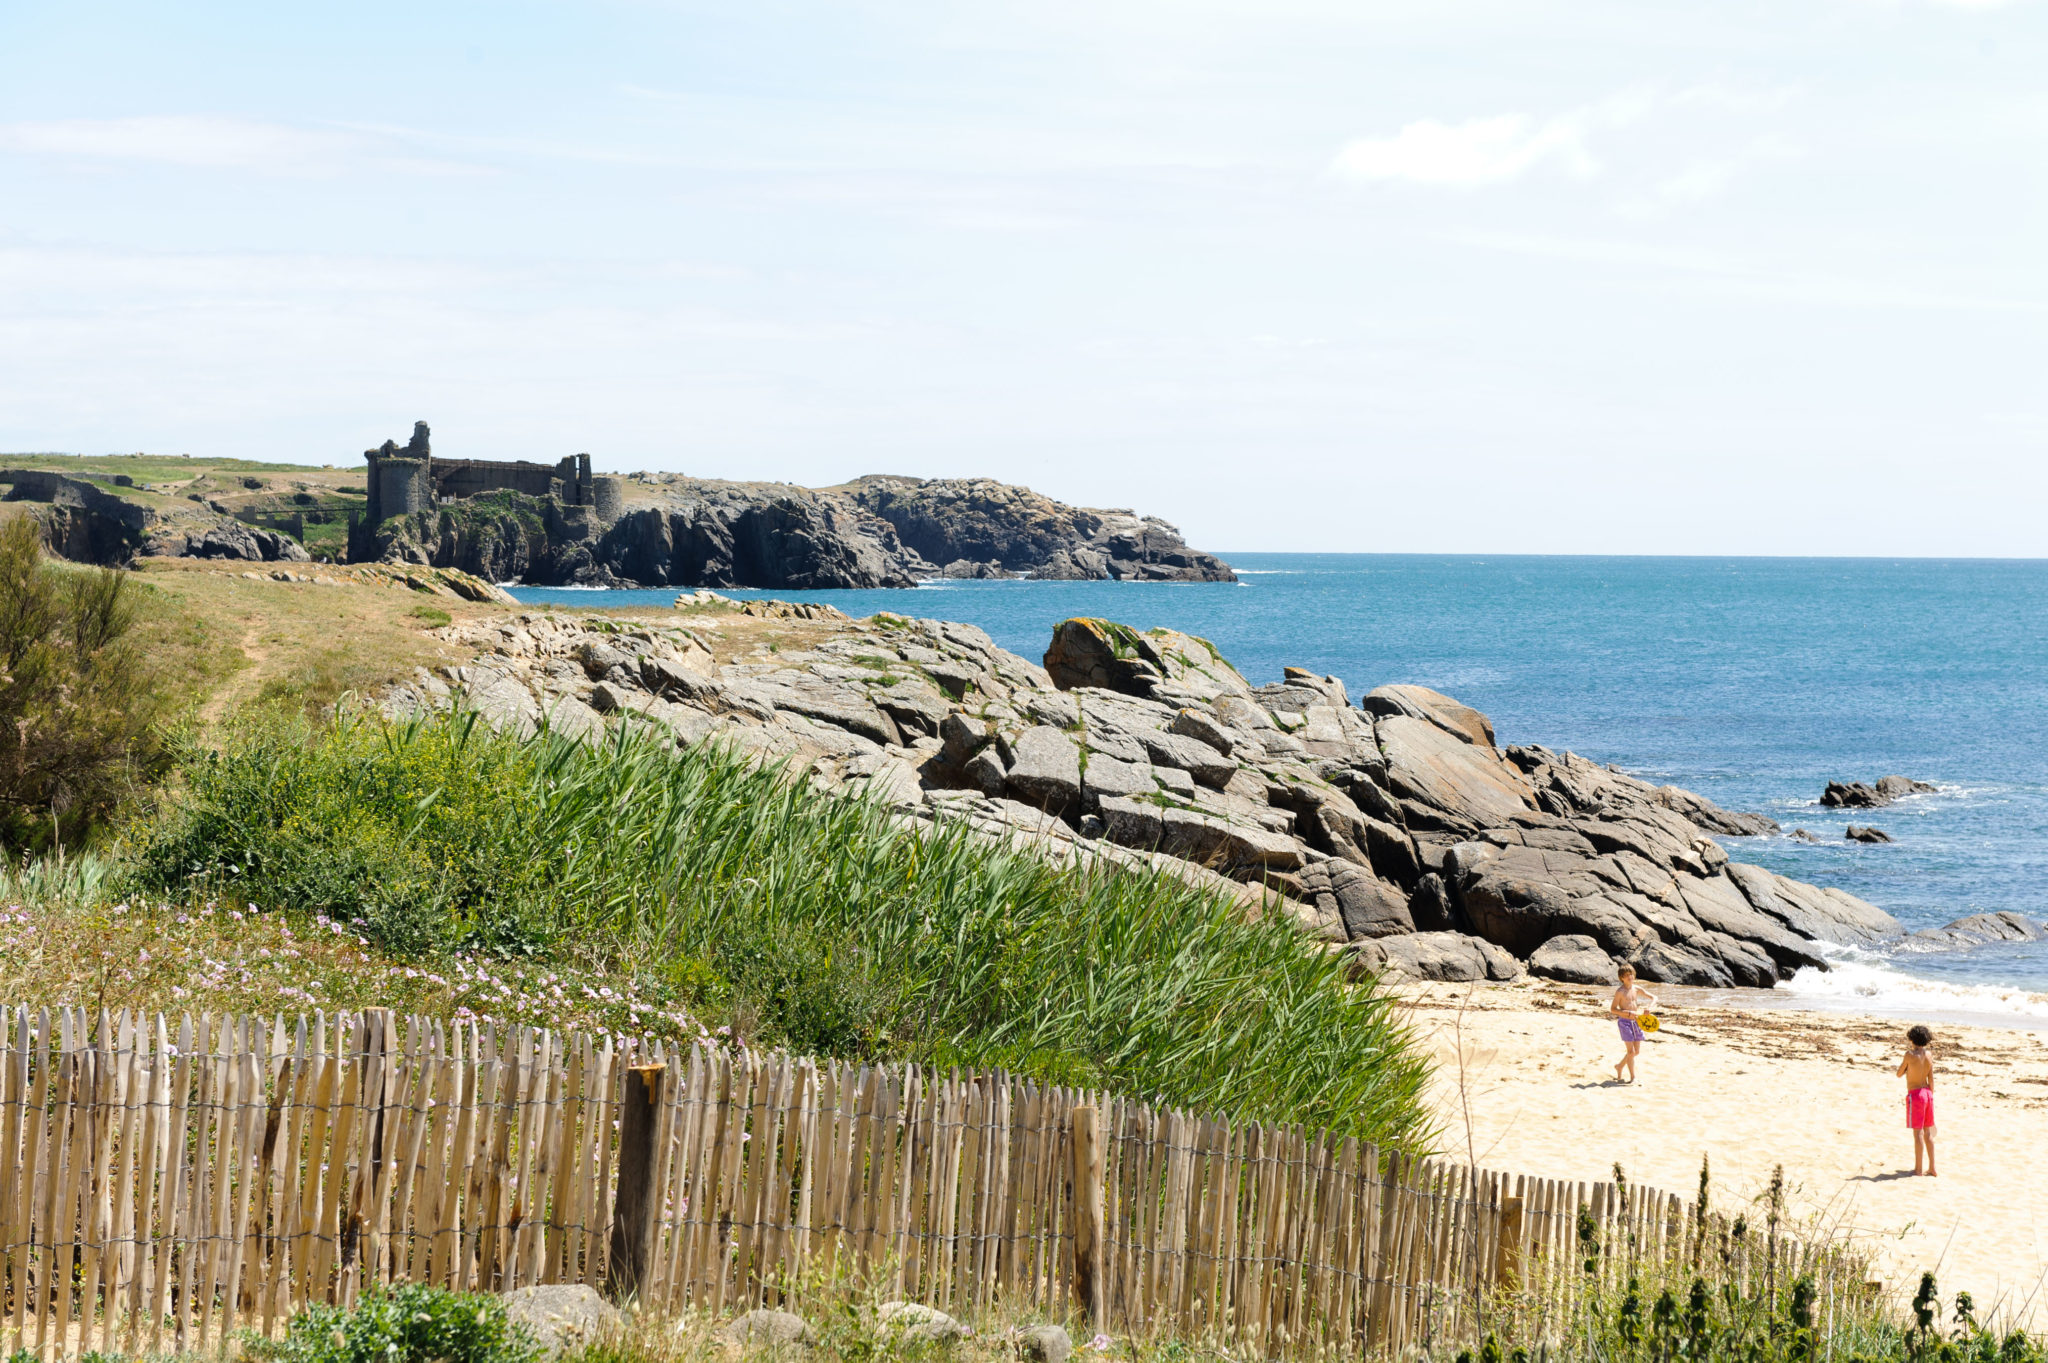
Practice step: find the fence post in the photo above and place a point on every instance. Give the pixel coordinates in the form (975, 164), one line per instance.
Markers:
(1507, 1253)
(1087, 1215)
(636, 1208)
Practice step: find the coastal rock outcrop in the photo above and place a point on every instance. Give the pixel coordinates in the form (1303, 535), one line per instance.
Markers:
(1857, 795)
(563, 524)
(87, 523)
(1978, 929)
(979, 527)
(1394, 829)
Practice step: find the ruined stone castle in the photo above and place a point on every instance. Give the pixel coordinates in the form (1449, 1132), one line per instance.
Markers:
(408, 479)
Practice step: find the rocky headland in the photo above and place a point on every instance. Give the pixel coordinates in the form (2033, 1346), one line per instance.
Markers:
(673, 530)
(564, 524)
(1395, 829)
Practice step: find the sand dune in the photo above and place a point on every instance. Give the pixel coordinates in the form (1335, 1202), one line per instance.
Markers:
(1756, 1087)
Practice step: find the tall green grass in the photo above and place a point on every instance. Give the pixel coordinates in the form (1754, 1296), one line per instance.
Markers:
(811, 921)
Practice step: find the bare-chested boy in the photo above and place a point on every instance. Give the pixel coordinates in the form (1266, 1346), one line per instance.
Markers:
(1918, 1068)
(1627, 1004)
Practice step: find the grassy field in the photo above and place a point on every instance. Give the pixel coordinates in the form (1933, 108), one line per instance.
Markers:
(174, 468)
(223, 639)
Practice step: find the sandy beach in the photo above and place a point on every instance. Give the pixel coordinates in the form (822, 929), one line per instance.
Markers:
(1753, 1086)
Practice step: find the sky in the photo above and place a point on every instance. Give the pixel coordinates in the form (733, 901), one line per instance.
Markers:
(1444, 275)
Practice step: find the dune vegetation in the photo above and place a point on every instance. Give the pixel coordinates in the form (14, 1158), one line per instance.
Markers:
(705, 883)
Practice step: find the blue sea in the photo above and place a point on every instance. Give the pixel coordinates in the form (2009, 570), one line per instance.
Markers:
(1752, 681)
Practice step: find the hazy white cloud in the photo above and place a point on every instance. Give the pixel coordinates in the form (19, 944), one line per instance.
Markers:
(1479, 151)
(1483, 151)
(1707, 177)
(208, 142)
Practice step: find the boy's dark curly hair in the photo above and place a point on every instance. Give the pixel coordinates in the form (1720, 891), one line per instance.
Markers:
(1920, 1036)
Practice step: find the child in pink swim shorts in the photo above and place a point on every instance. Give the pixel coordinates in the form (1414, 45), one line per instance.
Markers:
(1625, 1007)
(1918, 1069)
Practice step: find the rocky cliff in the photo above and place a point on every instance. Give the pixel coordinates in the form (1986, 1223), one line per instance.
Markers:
(101, 521)
(875, 532)
(513, 522)
(1396, 829)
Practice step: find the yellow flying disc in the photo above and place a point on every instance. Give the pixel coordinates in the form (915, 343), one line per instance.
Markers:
(1647, 1021)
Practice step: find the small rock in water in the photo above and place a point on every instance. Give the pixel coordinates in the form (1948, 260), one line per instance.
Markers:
(1801, 835)
(1858, 834)
(1857, 795)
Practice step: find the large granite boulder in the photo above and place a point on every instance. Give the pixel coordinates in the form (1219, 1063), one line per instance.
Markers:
(1450, 957)
(1419, 702)
(1045, 769)
(563, 1317)
(1822, 915)
(1573, 958)
(1361, 902)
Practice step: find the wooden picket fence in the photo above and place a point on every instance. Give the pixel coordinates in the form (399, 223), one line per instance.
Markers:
(165, 1185)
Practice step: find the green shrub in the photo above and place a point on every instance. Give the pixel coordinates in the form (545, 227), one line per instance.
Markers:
(409, 1323)
(809, 920)
(433, 617)
(78, 716)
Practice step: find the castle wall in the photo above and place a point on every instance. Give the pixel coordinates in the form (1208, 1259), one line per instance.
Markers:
(608, 496)
(456, 479)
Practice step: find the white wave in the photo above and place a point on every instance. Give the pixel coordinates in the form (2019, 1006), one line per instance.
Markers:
(1860, 981)
(579, 587)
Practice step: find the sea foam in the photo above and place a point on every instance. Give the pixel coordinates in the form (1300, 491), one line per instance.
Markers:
(1862, 982)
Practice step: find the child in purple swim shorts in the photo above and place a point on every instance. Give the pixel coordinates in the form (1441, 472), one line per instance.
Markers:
(1628, 1003)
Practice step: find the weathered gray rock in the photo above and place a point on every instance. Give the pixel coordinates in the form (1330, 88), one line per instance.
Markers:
(1365, 905)
(1573, 958)
(1857, 795)
(1445, 776)
(1132, 823)
(988, 528)
(500, 700)
(1401, 821)
(1450, 957)
(1045, 769)
(1704, 813)
(1821, 915)
(1197, 758)
(985, 771)
(1419, 702)
(1898, 787)
(1204, 728)
(1975, 930)
(563, 1317)
(1672, 963)
(776, 1329)
(1858, 833)
(920, 1322)
(572, 718)
(1106, 775)
(1219, 845)
(1044, 1344)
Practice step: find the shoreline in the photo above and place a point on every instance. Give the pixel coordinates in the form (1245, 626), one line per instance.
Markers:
(1749, 1085)
(1911, 998)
